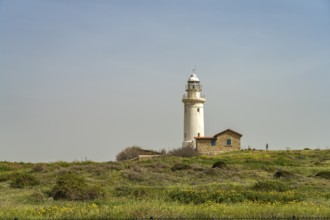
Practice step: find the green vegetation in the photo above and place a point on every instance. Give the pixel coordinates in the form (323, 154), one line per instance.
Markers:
(22, 180)
(73, 187)
(254, 184)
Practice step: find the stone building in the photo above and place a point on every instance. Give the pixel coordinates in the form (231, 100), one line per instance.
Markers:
(227, 140)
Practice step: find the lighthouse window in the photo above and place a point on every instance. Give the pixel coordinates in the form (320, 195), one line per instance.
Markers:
(197, 109)
(199, 134)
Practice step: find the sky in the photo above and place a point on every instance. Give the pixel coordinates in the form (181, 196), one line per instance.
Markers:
(82, 79)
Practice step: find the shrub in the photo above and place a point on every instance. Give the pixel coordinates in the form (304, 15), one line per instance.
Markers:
(133, 152)
(136, 192)
(4, 177)
(220, 165)
(323, 174)
(128, 153)
(133, 175)
(38, 197)
(39, 167)
(22, 180)
(180, 166)
(186, 151)
(267, 186)
(195, 196)
(72, 187)
(282, 173)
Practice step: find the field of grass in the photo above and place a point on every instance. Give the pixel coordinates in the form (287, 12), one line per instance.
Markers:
(171, 187)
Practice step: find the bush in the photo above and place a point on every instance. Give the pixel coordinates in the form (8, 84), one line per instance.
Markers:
(323, 174)
(135, 192)
(72, 187)
(133, 175)
(39, 167)
(22, 180)
(220, 165)
(180, 166)
(267, 186)
(282, 173)
(133, 152)
(129, 153)
(186, 151)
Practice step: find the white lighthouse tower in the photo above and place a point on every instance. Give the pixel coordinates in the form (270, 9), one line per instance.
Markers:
(193, 111)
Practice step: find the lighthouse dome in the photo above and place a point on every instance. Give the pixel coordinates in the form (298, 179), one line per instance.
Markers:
(193, 78)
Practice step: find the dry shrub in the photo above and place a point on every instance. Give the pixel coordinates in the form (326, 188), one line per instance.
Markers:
(186, 151)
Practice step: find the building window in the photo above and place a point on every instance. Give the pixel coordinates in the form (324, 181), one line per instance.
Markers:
(228, 142)
(197, 109)
(199, 134)
(185, 135)
(213, 142)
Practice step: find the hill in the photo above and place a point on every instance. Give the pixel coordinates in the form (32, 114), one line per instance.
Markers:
(240, 184)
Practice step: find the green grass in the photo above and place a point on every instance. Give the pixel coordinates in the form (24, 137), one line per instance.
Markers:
(132, 189)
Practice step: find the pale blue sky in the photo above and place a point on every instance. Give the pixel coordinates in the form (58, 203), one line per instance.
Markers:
(89, 78)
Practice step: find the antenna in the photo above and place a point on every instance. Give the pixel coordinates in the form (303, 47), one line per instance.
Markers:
(194, 69)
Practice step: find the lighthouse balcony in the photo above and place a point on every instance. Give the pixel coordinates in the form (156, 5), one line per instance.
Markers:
(201, 96)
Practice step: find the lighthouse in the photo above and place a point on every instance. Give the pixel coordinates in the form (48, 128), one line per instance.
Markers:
(193, 111)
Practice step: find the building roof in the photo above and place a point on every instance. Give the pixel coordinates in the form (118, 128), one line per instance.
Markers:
(215, 136)
(204, 138)
(228, 130)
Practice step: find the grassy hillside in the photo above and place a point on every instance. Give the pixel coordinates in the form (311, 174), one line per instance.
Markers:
(246, 184)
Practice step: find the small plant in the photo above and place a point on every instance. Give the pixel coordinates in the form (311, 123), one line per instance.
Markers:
(186, 151)
(22, 180)
(72, 187)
